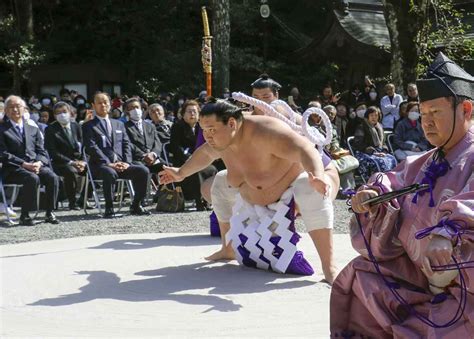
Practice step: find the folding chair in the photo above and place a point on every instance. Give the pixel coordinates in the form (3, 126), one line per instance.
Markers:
(349, 144)
(389, 139)
(15, 191)
(89, 178)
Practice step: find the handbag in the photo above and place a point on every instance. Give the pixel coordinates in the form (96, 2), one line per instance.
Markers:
(346, 164)
(170, 200)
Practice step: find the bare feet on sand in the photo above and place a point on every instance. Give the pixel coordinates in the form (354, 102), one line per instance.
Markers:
(225, 253)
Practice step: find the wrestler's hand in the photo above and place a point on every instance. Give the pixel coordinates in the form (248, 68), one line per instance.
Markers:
(169, 175)
(319, 184)
(437, 253)
(357, 201)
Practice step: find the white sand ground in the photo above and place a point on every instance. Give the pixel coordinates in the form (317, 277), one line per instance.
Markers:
(156, 285)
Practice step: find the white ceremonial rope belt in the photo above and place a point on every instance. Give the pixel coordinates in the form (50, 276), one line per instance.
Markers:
(259, 224)
(310, 132)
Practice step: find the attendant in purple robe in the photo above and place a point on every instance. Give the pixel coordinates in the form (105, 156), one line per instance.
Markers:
(412, 278)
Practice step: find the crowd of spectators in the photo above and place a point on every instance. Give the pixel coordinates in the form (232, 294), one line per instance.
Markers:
(168, 127)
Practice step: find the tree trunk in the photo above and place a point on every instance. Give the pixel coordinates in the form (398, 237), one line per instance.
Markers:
(403, 25)
(16, 76)
(220, 45)
(24, 16)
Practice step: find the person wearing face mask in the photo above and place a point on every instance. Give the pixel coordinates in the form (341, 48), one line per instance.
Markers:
(46, 103)
(356, 117)
(409, 138)
(372, 97)
(63, 141)
(144, 141)
(79, 101)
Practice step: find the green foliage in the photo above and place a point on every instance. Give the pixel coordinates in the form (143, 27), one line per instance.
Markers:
(443, 29)
(16, 50)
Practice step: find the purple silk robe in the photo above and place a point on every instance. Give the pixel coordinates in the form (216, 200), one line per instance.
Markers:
(361, 303)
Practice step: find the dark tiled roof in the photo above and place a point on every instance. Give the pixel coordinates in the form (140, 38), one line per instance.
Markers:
(368, 27)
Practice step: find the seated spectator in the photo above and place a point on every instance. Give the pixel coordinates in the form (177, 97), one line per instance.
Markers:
(390, 105)
(345, 163)
(369, 145)
(26, 162)
(328, 98)
(144, 142)
(63, 141)
(356, 95)
(183, 139)
(409, 138)
(107, 143)
(340, 122)
(356, 118)
(44, 117)
(163, 126)
(372, 97)
(402, 112)
(412, 92)
(294, 100)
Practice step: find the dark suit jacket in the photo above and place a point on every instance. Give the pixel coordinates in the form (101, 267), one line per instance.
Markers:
(101, 148)
(16, 149)
(182, 141)
(164, 130)
(58, 145)
(141, 144)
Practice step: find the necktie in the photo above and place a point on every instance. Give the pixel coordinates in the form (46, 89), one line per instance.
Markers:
(18, 129)
(140, 127)
(69, 135)
(105, 123)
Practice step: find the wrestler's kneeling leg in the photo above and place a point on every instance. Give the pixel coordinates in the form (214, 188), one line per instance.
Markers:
(317, 213)
(223, 198)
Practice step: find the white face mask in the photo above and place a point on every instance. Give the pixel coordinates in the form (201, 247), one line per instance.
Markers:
(360, 113)
(63, 118)
(136, 114)
(37, 105)
(46, 101)
(413, 116)
(373, 96)
(180, 102)
(80, 102)
(26, 115)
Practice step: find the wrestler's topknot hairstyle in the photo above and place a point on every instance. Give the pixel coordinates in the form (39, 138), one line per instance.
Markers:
(264, 81)
(222, 109)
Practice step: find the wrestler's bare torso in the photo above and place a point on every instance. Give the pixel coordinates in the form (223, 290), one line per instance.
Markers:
(252, 166)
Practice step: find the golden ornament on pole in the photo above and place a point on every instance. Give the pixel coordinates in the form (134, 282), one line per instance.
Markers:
(206, 51)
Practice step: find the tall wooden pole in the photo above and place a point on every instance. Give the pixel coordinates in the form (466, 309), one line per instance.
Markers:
(206, 51)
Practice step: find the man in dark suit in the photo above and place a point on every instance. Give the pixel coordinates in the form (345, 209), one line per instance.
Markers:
(26, 162)
(63, 141)
(144, 142)
(108, 146)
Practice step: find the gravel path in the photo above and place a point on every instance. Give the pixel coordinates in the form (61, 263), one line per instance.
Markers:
(77, 224)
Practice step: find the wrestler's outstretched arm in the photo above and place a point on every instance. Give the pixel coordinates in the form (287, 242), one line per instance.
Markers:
(201, 158)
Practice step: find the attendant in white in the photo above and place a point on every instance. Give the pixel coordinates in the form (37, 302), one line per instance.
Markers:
(390, 105)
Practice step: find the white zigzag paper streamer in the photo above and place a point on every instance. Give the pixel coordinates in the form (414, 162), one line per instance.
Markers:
(259, 224)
